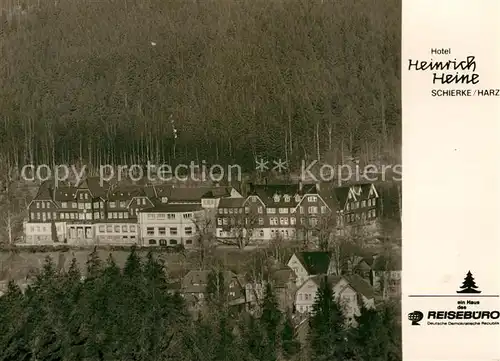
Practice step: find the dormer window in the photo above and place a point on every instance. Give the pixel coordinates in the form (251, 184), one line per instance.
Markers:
(297, 198)
(164, 199)
(276, 198)
(287, 198)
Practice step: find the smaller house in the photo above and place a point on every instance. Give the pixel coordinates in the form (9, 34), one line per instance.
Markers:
(283, 281)
(383, 272)
(352, 293)
(194, 288)
(308, 264)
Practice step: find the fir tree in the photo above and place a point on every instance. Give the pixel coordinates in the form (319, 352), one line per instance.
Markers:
(270, 320)
(327, 334)
(369, 339)
(289, 344)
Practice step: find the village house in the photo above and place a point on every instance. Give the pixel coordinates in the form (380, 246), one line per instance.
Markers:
(350, 292)
(309, 264)
(194, 289)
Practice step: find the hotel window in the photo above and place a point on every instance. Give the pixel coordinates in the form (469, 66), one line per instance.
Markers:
(187, 215)
(63, 215)
(271, 211)
(247, 210)
(64, 205)
(292, 221)
(261, 221)
(260, 210)
(312, 199)
(188, 231)
(74, 205)
(253, 198)
(287, 198)
(88, 216)
(48, 205)
(301, 210)
(162, 231)
(348, 206)
(230, 211)
(221, 210)
(273, 221)
(224, 221)
(173, 231)
(219, 221)
(96, 204)
(164, 199)
(363, 203)
(161, 216)
(283, 210)
(261, 233)
(151, 216)
(132, 228)
(101, 204)
(123, 204)
(81, 206)
(120, 215)
(37, 204)
(86, 196)
(44, 216)
(112, 204)
(88, 206)
(150, 231)
(323, 209)
(125, 215)
(49, 215)
(313, 222)
(37, 229)
(109, 229)
(170, 216)
(312, 210)
(96, 215)
(43, 204)
(102, 229)
(284, 221)
(144, 201)
(124, 229)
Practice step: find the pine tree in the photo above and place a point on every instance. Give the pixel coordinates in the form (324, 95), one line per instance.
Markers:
(289, 344)
(327, 334)
(270, 320)
(369, 340)
(469, 286)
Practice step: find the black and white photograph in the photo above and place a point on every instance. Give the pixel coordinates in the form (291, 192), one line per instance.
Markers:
(200, 180)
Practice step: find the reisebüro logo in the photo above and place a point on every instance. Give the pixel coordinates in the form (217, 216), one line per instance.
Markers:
(469, 310)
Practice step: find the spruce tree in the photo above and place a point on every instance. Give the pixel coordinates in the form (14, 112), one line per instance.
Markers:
(270, 320)
(290, 346)
(327, 334)
(370, 339)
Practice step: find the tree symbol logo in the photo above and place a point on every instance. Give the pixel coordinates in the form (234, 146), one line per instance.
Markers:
(469, 286)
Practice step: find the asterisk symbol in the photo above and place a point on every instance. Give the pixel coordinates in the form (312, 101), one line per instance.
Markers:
(279, 165)
(261, 165)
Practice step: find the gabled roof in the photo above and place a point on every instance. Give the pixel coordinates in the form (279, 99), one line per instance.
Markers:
(172, 208)
(93, 184)
(125, 193)
(360, 285)
(357, 283)
(195, 194)
(197, 281)
(231, 202)
(282, 276)
(267, 192)
(65, 194)
(315, 263)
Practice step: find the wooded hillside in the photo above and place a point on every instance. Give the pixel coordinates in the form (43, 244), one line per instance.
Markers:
(168, 81)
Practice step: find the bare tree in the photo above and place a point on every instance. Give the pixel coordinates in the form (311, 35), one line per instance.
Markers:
(240, 229)
(205, 236)
(11, 214)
